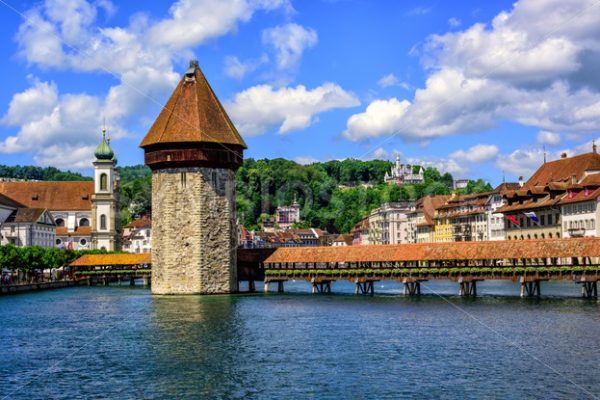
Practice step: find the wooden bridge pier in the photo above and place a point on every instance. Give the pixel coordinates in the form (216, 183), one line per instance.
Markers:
(251, 286)
(589, 287)
(411, 287)
(530, 287)
(321, 286)
(467, 288)
(279, 285)
(365, 287)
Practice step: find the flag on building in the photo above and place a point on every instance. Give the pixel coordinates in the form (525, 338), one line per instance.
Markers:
(512, 219)
(532, 216)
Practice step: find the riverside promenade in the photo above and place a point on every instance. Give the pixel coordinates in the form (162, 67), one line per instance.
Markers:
(32, 287)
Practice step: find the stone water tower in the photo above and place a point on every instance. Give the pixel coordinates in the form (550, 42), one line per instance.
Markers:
(193, 149)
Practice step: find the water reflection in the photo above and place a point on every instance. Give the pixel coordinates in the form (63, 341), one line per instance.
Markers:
(195, 343)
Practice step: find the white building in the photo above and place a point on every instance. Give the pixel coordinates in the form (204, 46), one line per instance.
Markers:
(405, 173)
(388, 223)
(137, 236)
(580, 208)
(29, 227)
(286, 216)
(105, 200)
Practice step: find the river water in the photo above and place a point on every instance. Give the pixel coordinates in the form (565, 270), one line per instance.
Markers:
(122, 343)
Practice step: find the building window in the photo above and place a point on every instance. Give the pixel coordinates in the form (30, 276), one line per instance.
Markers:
(58, 242)
(84, 222)
(82, 242)
(103, 182)
(543, 220)
(60, 222)
(103, 221)
(550, 219)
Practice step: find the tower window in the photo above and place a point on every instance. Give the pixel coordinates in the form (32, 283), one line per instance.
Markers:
(183, 180)
(214, 178)
(103, 182)
(103, 222)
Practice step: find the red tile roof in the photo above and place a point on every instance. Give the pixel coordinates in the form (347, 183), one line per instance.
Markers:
(25, 215)
(91, 260)
(561, 170)
(193, 114)
(55, 196)
(485, 250)
(140, 223)
(8, 202)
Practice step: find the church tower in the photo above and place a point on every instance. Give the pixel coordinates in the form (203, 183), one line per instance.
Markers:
(105, 200)
(193, 149)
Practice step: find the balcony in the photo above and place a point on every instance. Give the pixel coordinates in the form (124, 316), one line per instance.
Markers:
(576, 232)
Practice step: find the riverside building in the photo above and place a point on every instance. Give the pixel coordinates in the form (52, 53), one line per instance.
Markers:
(86, 213)
(559, 191)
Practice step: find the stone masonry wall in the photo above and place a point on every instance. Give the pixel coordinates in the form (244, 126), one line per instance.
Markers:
(193, 231)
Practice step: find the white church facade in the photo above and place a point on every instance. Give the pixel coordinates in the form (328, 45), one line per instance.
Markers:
(86, 213)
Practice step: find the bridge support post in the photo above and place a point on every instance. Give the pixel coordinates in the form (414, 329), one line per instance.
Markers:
(467, 288)
(146, 280)
(266, 287)
(589, 289)
(251, 286)
(365, 288)
(411, 287)
(280, 287)
(321, 287)
(132, 281)
(530, 288)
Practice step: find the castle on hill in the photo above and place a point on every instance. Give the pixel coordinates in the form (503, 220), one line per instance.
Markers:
(404, 173)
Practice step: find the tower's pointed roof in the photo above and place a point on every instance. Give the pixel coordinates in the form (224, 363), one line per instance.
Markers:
(193, 114)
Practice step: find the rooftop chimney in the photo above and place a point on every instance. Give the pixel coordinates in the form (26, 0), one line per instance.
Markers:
(594, 146)
(573, 179)
(521, 183)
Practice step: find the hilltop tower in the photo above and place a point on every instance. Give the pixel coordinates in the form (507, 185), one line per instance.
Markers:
(193, 149)
(105, 200)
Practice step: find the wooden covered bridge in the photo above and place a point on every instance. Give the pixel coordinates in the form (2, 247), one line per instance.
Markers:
(528, 262)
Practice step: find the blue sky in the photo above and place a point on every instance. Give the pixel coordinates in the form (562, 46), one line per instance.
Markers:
(474, 88)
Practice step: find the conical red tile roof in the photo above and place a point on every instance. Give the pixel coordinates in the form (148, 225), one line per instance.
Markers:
(193, 114)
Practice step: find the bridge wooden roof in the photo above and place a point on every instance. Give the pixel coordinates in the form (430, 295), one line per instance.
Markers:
(486, 250)
(93, 260)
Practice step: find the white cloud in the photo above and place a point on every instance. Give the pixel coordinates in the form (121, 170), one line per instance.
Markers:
(66, 156)
(476, 154)
(521, 162)
(454, 22)
(305, 160)
(381, 117)
(533, 65)
(237, 69)
(259, 108)
(388, 80)
(289, 41)
(547, 137)
(65, 119)
(380, 153)
(63, 34)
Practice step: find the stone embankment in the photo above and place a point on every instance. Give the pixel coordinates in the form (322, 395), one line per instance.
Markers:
(31, 287)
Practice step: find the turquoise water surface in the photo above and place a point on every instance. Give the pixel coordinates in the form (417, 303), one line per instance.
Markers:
(123, 343)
